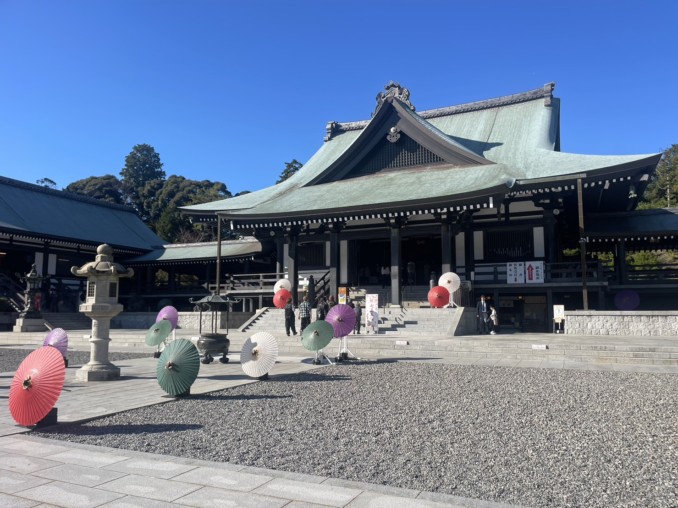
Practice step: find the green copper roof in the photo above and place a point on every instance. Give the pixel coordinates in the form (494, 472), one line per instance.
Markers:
(46, 213)
(513, 138)
(196, 252)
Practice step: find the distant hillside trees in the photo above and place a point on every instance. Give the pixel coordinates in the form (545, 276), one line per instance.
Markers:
(290, 169)
(156, 199)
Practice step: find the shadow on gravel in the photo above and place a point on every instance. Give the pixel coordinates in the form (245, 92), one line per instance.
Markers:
(306, 377)
(91, 430)
(208, 397)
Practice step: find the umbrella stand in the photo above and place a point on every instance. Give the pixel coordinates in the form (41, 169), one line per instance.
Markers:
(320, 356)
(344, 352)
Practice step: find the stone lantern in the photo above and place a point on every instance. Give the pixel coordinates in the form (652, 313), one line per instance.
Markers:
(30, 318)
(101, 304)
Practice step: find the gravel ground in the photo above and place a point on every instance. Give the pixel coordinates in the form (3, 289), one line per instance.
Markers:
(532, 437)
(11, 358)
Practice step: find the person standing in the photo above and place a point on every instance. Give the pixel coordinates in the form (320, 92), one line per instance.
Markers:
(494, 320)
(289, 319)
(358, 317)
(321, 309)
(483, 315)
(304, 314)
(331, 302)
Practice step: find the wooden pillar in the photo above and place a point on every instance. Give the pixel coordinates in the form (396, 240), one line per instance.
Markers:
(469, 253)
(396, 260)
(335, 229)
(582, 245)
(280, 254)
(218, 276)
(446, 246)
(620, 262)
(292, 264)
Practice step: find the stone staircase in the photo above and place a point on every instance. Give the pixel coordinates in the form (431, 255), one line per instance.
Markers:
(66, 320)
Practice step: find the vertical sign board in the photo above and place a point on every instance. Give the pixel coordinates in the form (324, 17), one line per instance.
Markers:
(371, 312)
(558, 313)
(342, 295)
(534, 272)
(515, 273)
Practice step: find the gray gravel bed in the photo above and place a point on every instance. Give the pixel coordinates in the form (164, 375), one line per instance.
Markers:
(11, 358)
(532, 437)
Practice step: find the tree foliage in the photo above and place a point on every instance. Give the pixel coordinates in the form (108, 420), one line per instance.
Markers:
(47, 182)
(290, 169)
(106, 188)
(141, 177)
(662, 191)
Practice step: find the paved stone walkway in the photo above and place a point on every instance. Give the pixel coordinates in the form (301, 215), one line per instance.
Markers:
(43, 472)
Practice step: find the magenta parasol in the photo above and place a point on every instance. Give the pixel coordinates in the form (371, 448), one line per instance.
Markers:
(342, 319)
(170, 314)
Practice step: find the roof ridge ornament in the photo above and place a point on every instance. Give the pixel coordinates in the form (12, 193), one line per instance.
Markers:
(394, 90)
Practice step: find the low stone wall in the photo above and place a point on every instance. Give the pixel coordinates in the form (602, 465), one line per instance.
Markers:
(619, 322)
(187, 320)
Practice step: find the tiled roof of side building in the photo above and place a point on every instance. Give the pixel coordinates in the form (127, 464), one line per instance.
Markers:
(47, 213)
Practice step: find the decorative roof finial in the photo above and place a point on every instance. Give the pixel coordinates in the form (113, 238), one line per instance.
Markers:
(397, 91)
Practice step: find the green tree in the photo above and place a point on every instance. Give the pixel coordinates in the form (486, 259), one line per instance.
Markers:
(178, 191)
(141, 177)
(47, 182)
(290, 169)
(662, 191)
(106, 188)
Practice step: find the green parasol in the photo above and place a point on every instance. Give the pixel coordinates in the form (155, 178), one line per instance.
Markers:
(317, 335)
(178, 367)
(158, 332)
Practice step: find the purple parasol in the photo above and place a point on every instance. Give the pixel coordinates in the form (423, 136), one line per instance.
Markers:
(57, 338)
(170, 314)
(342, 319)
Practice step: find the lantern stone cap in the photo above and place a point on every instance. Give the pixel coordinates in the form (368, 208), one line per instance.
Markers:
(102, 264)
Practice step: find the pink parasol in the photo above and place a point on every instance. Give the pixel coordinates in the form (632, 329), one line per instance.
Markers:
(57, 338)
(439, 296)
(36, 385)
(281, 297)
(342, 319)
(170, 314)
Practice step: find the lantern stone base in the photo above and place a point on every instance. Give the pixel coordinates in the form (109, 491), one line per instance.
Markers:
(29, 325)
(97, 372)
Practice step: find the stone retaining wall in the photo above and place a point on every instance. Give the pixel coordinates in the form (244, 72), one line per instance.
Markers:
(635, 323)
(187, 320)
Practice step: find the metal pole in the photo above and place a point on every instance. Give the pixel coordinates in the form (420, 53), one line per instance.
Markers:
(582, 245)
(218, 255)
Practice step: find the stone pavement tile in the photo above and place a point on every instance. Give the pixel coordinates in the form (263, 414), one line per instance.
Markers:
(375, 500)
(31, 448)
(88, 457)
(373, 487)
(153, 488)
(156, 468)
(210, 496)
(231, 480)
(67, 494)
(136, 502)
(301, 504)
(24, 464)
(11, 482)
(80, 475)
(7, 501)
(529, 364)
(288, 475)
(311, 493)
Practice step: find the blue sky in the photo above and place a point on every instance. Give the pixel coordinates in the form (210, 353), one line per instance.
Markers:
(230, 91)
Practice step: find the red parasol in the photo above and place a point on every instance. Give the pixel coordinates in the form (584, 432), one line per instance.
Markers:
(36, 385)
(57, 338)
(342, 319)
(281, 297)
(170, 314)
(439, 296)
